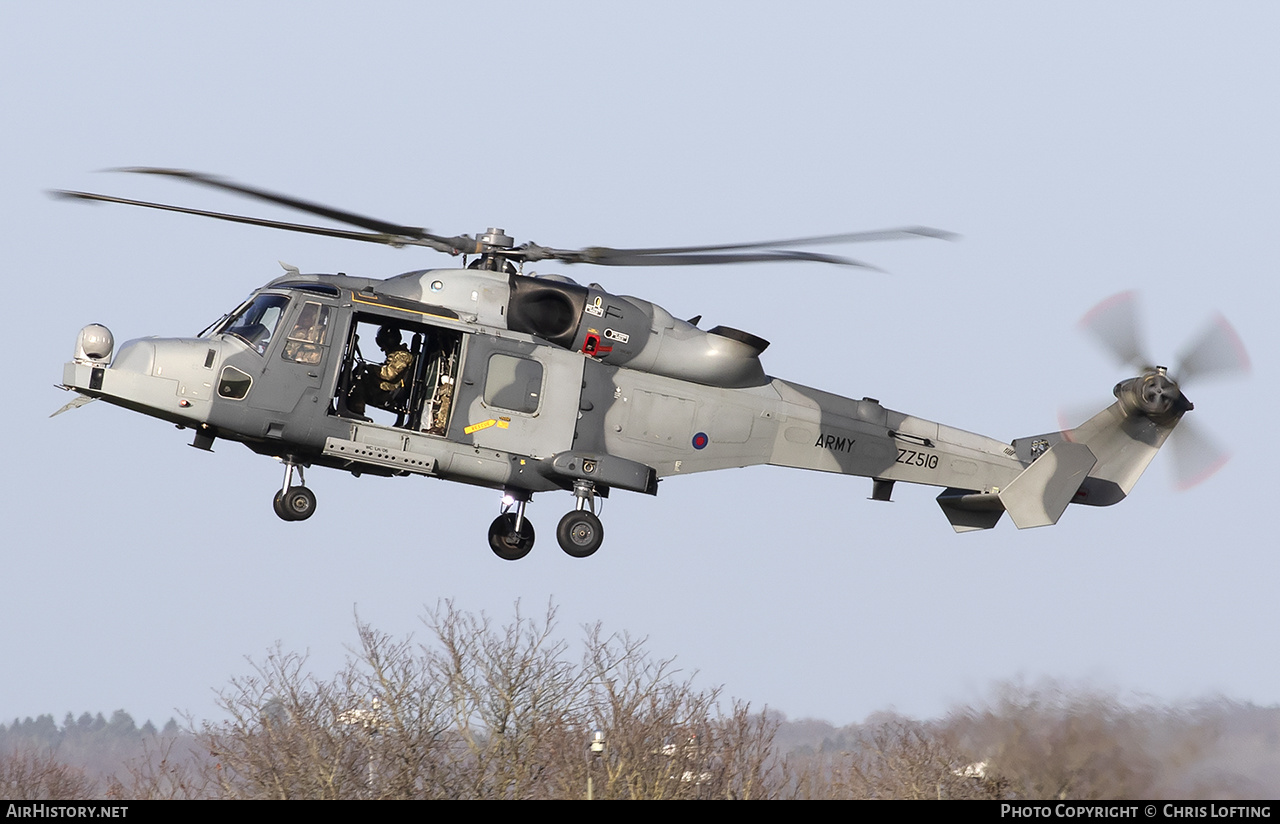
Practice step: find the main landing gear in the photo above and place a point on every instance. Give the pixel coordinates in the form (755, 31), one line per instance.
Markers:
(580, 532)
(294, 503)
(511, 534)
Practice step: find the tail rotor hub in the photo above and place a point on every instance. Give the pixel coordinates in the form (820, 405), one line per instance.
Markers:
(1154, 395)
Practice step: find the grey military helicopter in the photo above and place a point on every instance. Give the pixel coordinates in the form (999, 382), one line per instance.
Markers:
(529, 383)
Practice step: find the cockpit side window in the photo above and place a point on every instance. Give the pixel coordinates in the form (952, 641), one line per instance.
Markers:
(310, 333)
(256, 322)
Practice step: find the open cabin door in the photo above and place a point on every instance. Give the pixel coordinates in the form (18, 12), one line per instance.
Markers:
(416, 393)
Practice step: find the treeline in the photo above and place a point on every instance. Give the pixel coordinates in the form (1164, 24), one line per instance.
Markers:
(86, 732)
(78, 759)
(487, 710)
(1045, 742)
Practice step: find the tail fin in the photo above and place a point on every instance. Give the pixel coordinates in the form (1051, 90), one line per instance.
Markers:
(1041, 493)
(1097, 464)
(1123, 444)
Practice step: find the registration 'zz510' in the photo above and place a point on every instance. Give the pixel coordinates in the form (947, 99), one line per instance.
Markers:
(910, 457)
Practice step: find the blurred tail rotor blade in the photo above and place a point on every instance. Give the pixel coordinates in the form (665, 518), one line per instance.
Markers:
(1196, 456)
(1114, 322)
(1217, 352)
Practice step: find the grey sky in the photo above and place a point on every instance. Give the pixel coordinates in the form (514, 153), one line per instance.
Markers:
(1080, 149)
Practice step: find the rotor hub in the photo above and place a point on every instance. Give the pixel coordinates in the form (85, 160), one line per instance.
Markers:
(1154, 395)
(497, 238)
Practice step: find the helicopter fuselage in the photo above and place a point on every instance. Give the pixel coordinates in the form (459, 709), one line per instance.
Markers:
(532, 384)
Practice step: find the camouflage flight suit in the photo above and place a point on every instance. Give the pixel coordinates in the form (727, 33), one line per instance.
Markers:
(394, 372)
(444, 395)
(308, 335)
(377, 385)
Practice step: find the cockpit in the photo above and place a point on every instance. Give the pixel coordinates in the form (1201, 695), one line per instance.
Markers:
(255, 321)
(311, 343)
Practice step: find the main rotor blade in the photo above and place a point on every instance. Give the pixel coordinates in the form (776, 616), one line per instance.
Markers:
(622, 257)
(396, 235)
(1114, 322)
(346, 234)
(451, 245)
(1196, 456)
(904, 233)
(1217, 352)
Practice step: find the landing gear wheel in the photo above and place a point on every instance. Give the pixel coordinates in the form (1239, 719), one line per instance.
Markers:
(580, 533)
(297, 503)
(505, 542)
(277, 503)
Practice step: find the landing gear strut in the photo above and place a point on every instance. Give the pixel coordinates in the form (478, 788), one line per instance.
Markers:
(580, 532)
(511, 534)
(294, 503)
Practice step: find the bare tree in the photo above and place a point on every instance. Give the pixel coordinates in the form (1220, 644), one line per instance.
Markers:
(666, 737)
(167, 770)
(1053, 743)
(482, 711)
(283, 738)
(39, 776)
(896, 759)
(510, 694)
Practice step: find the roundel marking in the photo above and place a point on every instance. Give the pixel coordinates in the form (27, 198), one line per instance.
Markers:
(700, 440)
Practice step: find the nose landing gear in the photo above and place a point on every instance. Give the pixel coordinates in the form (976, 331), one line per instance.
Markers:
(294, 503)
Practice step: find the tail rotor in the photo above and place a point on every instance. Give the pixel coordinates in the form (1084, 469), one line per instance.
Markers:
(1157, 393)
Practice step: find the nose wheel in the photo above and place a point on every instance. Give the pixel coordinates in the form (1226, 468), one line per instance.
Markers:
(294, 503)
(297, 503)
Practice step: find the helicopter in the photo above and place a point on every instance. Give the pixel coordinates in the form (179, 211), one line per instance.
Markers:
(529, 383)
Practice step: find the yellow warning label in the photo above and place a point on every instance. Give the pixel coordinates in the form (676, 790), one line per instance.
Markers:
(476, 427)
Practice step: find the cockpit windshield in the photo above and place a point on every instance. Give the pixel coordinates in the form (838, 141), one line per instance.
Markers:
(256, 321)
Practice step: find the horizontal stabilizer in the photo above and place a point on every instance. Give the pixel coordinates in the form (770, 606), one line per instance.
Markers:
(968, 510)
(1039, 495)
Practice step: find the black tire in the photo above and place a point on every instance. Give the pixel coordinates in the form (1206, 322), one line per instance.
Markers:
(295, 504)
(277, 503)
(504, 541)
(580, 533)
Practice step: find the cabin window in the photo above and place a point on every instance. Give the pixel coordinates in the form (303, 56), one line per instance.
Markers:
(513, 383)
(256, 322)
(310, 333)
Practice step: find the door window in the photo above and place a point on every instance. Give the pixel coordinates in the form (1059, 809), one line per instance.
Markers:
(513, 383)
(309, 334)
